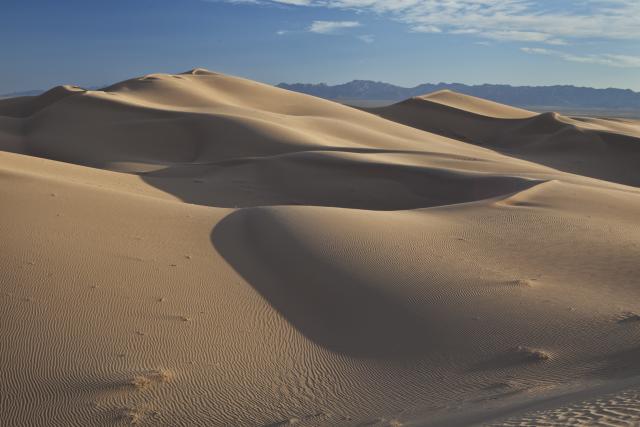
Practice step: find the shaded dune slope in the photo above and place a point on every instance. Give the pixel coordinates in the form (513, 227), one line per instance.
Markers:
(600, 148)
(237, 254)
(242, 141)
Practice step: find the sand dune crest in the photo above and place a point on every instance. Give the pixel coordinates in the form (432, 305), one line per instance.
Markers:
(600, 148)
(289, 260)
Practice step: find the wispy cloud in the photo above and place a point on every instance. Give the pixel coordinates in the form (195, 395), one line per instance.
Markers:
(523, 36)
(367, 38)
(426, 29)
(294, 2)
(611, 60)
(536, 21)
(331, 27)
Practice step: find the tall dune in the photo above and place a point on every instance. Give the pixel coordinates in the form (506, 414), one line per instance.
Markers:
(199, 249)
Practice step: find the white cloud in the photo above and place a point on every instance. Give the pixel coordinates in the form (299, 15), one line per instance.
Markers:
(522, 36)
(538, 50)
(536, 21)
(367, 38)
(608, 59)
(295, 2)
(331, 27)
(464, 31)
(426, 29)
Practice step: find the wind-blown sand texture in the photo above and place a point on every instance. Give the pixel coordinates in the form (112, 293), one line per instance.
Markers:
(200, 249)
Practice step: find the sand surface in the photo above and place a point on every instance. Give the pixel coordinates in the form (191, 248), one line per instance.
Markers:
(601, 148)
(199, 249)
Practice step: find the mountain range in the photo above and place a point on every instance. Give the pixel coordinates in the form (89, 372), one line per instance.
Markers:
(565, 97)
(33, 92)
(525, 96)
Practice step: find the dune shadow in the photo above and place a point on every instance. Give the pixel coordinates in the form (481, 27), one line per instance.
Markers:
(322, 178)
(620, 364)
(326, 303)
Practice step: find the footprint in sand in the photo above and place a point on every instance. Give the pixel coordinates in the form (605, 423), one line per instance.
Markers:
(531, 354)
(136, 415)
(629, 317)
(149, 378)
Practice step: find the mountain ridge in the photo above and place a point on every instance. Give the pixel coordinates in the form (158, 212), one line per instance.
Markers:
(567, 96)
(563, 96)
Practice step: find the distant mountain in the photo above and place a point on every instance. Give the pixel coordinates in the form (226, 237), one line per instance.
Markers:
(524, 96)
(564, 97)
(34, 92)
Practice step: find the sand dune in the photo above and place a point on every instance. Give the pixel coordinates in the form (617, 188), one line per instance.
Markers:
(600, 148)
(199, 249)
(473, 105)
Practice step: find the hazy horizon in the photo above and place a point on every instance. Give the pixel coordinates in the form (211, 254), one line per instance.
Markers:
(43, 89)
(406, 43)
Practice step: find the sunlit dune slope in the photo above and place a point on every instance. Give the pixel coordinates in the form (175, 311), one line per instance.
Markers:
(601, 148)
(199, 249)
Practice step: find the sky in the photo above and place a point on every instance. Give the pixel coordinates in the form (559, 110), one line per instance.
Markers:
(405, 42)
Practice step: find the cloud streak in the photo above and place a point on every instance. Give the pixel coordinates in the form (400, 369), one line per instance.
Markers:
(331, 27)
(536, 21)
(608, 59)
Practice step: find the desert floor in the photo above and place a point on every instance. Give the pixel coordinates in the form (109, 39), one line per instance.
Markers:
(200, 249)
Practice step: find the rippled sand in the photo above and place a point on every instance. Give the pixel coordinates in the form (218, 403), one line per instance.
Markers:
(199, 249)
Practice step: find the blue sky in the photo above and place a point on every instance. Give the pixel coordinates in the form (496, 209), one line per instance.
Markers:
(406, 42)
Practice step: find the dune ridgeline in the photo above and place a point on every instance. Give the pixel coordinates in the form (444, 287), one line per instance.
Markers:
(200, 249)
